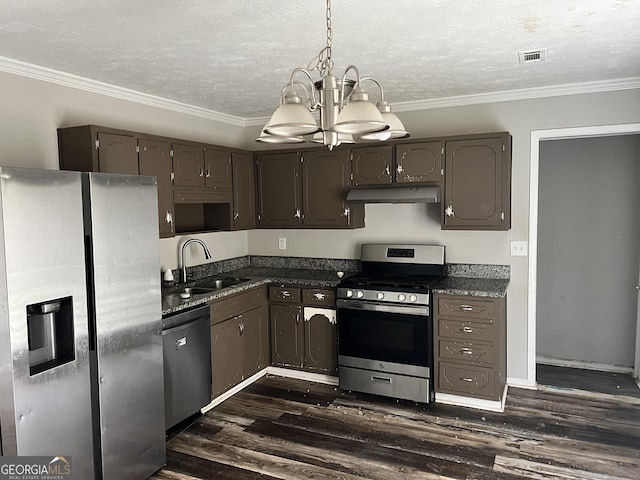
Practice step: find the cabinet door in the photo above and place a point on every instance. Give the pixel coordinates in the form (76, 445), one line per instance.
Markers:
(155, 160)
(477, 190)
(117, 153)
(321, 345)
(188, 165)
(371, 165)
(244, 200)
(255, 339)
(278, 190)
(217, 168)
(419, 162)
(325, 183)
(286, 336)
(226, 355)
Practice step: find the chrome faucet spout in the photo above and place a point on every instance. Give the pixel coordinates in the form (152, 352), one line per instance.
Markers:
(207, 255)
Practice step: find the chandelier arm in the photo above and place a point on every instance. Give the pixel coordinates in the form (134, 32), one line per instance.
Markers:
(344, 77)
(311, 99)
(371, 79)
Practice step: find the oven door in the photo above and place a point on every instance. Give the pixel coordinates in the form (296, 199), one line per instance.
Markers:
(385, 333)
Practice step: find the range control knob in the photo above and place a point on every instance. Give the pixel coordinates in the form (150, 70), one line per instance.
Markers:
(402, 297)
(359, 294)
(349, 293)
(413, 298)
(379, 295)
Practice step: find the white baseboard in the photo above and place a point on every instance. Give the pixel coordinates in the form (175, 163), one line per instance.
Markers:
(302, 375)
(601, 367)
(231, 392)
(521, 383)
(461, 401)
(278, 371)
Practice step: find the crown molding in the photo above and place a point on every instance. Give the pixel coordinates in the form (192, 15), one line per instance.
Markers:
(520, 94)
(28, 70)
(37, 72)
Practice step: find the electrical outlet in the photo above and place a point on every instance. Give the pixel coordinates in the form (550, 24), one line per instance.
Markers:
(282, 243)
(519, 248)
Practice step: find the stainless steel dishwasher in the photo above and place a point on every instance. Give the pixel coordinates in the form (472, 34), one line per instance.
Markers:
(186, 340)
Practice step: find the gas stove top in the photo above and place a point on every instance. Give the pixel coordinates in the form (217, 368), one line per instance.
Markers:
(395, 274)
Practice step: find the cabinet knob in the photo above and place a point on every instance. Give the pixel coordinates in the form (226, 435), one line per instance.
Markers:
(399, 169)
(637, 287)
(236, 215)
(387, 170)
(297, 214)
(200, 172)
(168, 218)
(208, 173)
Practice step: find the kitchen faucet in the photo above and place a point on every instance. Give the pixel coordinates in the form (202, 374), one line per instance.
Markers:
(207, 255)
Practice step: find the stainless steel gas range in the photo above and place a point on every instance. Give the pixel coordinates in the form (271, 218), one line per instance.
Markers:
(385, 326)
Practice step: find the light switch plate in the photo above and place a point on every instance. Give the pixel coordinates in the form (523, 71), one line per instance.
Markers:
(282, 243)
(519, 248)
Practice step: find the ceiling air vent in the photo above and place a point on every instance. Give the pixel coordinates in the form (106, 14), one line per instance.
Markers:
(530, 56)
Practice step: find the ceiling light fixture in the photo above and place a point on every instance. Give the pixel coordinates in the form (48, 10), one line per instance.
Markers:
(346, 114)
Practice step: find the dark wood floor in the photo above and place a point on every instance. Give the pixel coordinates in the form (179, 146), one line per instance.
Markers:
(587, 380)
(291, 429)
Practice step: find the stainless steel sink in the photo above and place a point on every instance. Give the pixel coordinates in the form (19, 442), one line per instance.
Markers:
(197, 290)
(219, 283)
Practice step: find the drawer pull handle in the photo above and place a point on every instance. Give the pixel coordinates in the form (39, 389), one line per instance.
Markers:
(466, 308)
(319, 296)
(466, 330)
(466, 379)
(466, 351)
(285, 294)
(375, 378)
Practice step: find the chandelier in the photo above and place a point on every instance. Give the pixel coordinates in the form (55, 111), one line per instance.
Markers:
(346, 114)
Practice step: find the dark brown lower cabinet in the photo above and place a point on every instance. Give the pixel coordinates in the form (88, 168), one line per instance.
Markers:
(239, 338)
(303, 329)
(470, 346)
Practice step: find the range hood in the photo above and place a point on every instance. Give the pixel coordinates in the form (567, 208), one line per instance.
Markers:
(395, 195)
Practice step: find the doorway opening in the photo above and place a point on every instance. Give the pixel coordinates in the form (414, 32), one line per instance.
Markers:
(568, 321)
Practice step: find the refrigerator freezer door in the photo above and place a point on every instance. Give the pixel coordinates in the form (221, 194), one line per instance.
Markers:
(128, 322)
(48, 411)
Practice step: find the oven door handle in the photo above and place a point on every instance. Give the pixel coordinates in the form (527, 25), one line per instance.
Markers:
(377, 307)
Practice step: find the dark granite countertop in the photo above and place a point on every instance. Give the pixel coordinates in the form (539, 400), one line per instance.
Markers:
(477, 287)
(173, 303)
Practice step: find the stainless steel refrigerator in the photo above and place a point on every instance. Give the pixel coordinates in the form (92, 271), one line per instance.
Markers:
(81, 371)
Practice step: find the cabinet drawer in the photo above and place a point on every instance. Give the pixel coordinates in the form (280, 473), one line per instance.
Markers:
(236, 304)
(466, 330)
(467, 380)
(468, 352)
(319, 296)
(466, 307)
(284, 294)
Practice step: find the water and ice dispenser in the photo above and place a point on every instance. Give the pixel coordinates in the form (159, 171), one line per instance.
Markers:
(50, 334)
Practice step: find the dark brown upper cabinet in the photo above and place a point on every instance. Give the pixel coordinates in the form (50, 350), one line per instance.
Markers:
(279, 197)
(154, 159)
(418, 162)
(477, 194)
(325, 183)
(97, 149)
(244, 213)
(217, 168)
(305, 189)
(91, 148)
(188, 165)
(372, 165)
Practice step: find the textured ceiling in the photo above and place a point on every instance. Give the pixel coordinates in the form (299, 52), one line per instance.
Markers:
(234, 56)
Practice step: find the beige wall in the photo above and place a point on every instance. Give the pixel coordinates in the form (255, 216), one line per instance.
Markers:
(33, 109)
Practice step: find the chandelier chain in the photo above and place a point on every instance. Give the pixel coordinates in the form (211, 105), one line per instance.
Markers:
(323, 62)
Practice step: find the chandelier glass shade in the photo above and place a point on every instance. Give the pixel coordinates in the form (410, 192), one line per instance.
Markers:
(345, 113)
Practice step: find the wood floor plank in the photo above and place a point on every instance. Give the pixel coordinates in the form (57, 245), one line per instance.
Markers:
(293, 429)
